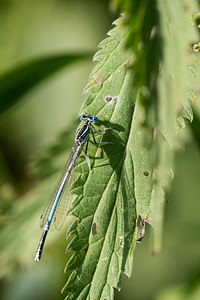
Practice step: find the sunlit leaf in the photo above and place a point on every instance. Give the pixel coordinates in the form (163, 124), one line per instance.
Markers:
(106, 204)
(139, 167)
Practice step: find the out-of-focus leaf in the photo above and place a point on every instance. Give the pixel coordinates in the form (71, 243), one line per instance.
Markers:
(195, 127)
(172, 96)
(18, 81)
(44, 163)
(162, 52)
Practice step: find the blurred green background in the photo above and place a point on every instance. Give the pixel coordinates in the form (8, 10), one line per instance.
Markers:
(36, 136)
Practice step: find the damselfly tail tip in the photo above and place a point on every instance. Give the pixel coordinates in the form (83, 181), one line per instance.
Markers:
(37, 258)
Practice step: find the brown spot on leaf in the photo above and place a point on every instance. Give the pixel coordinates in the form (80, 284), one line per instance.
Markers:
(194, 99)
(140, 224)
(99, 79)
(94, 229)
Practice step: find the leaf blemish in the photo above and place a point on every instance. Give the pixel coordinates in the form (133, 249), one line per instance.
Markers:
(140, 223)
(110, 99)
(105, 258)
(99, 79)
(146, 173)
(94, 230)
(121, 241)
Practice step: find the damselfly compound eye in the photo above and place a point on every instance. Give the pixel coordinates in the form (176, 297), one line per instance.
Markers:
(95, 119)
(83, 117)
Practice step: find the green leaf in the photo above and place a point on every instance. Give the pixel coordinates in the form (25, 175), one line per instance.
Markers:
(19, 80)
(129, 179)
(162, 51)
(172, 99)
(106, 206)
(195, 128)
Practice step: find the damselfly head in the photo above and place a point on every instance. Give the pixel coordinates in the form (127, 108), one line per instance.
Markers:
(84, 117)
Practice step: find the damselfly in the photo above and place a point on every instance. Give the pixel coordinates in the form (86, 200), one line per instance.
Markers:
(58, 197)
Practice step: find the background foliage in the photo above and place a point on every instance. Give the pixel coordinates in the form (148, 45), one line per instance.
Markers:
(27, 174)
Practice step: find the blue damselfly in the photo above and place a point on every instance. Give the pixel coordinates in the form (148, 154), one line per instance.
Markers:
(58, 197)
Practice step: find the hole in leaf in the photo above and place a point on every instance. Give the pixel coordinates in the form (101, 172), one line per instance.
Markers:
(146, 173)
(108, 98)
